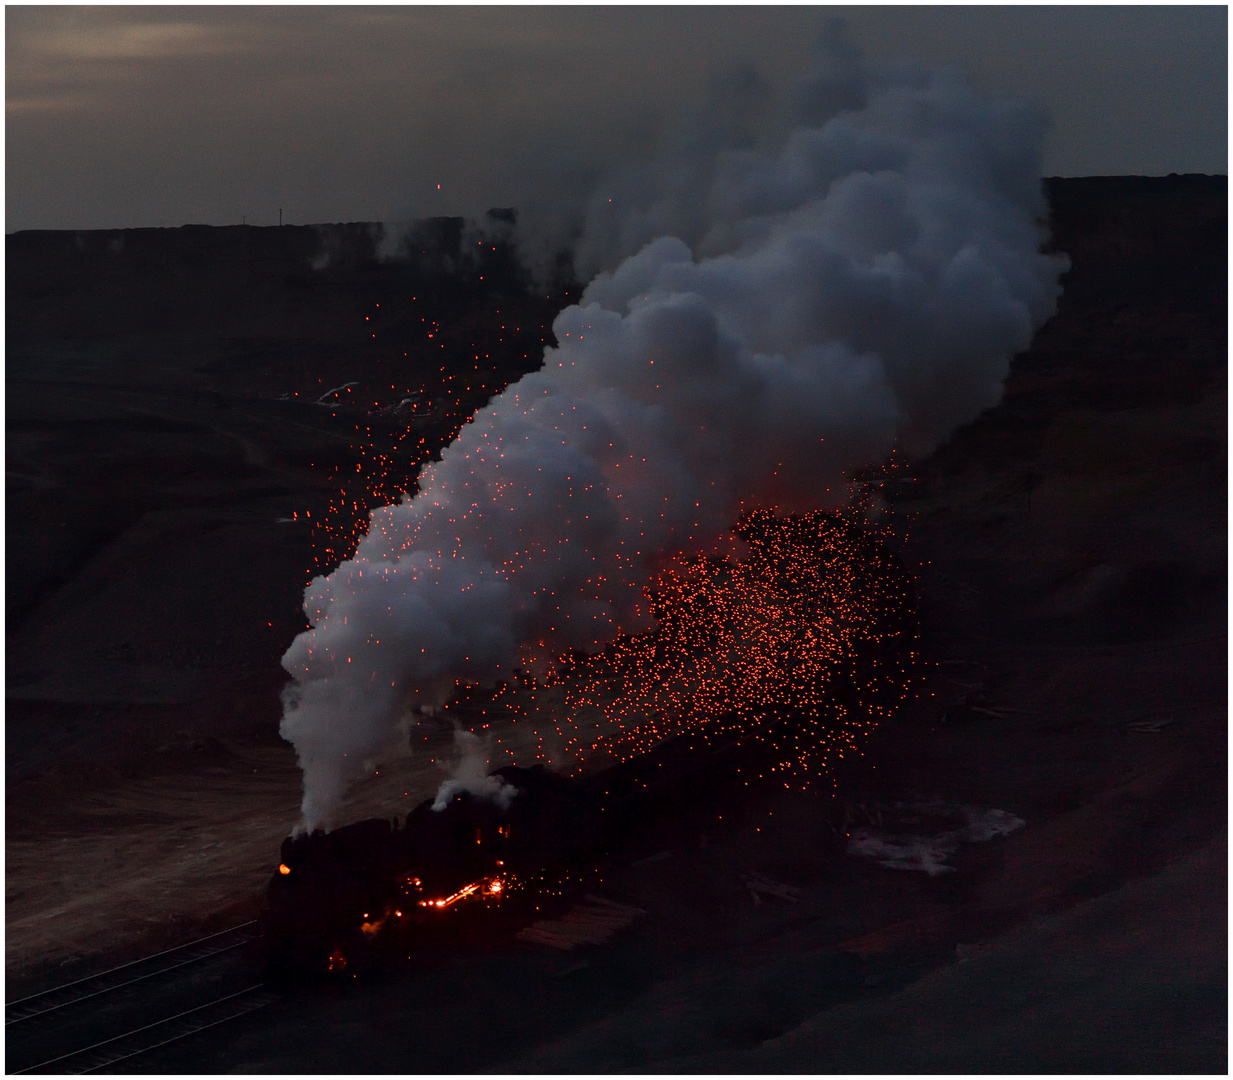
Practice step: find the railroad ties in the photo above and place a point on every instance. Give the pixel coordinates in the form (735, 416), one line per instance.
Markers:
(102, 1020)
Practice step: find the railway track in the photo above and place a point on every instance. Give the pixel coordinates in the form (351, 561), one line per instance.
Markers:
(109, 1018)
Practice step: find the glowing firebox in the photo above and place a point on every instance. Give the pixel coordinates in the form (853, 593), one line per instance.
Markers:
(486, 887)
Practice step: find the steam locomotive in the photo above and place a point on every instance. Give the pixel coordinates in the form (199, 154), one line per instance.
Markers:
(374, 894)
(367, 894)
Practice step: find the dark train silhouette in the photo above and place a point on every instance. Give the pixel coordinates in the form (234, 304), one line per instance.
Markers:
(368, 893)
(377, 893)
(374, 894)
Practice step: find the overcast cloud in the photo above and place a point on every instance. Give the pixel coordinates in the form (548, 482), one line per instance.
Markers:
(122, 117)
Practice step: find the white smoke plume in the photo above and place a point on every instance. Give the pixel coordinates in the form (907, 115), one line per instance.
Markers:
(863, 283)
(470, 774)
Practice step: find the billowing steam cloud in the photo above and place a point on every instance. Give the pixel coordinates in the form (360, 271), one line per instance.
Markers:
(865, 282)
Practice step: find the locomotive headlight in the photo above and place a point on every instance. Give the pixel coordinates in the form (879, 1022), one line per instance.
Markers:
(284, 869)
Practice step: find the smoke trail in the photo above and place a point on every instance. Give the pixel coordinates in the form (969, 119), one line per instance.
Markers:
(470, 774)
(866, 283)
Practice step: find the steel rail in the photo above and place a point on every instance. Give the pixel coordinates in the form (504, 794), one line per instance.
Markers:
(31, 999)
(127, 982)
(111, 1057)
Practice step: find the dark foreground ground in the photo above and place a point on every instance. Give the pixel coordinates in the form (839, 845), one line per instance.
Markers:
(1072, 553)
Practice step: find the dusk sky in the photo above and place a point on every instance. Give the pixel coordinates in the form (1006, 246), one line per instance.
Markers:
(151, 116)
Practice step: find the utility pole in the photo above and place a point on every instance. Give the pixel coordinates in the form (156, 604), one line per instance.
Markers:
(280, 216)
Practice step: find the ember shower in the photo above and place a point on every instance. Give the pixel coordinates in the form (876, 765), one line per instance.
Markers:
(860, 286)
